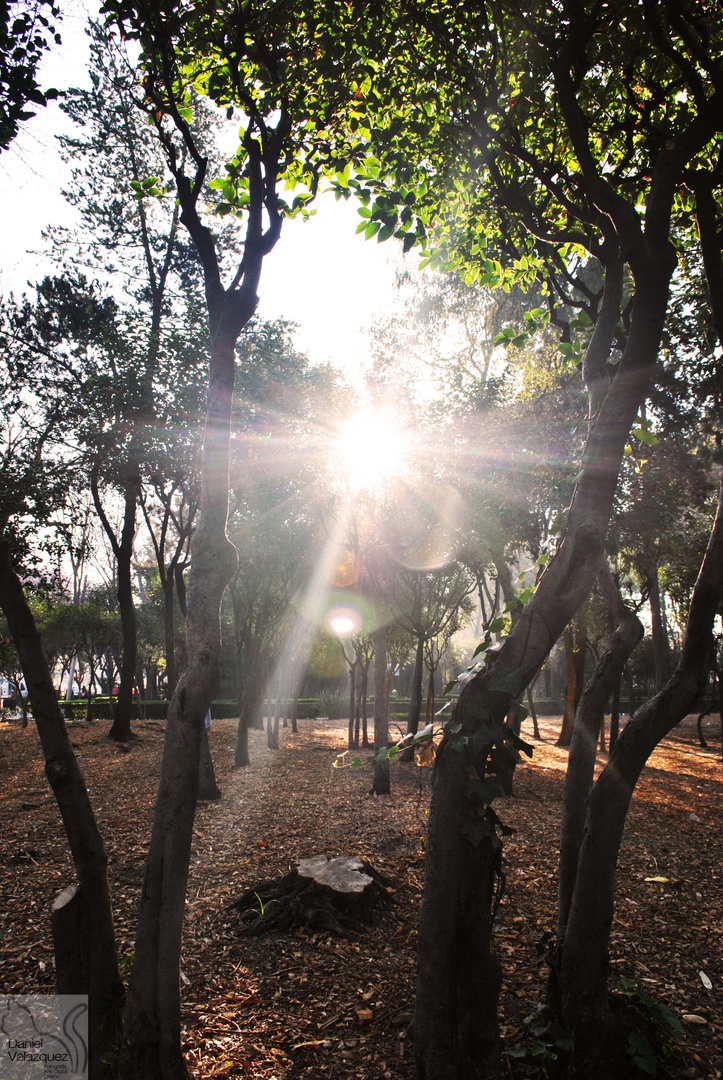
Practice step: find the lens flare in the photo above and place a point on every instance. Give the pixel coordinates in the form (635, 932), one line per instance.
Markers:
(343, 621)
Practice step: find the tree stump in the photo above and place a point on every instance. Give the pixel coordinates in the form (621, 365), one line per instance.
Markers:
(339, 896)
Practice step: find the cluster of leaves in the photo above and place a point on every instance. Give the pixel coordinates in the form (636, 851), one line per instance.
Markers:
(545, 1040)
(491, 750)
(26, 31)
(668, 1033)
(422, 741)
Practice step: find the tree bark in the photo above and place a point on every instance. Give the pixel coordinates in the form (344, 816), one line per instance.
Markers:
(100, 978)
(458, 980)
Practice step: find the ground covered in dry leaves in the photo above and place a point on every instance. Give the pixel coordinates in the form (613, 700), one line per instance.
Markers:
(282, 1008)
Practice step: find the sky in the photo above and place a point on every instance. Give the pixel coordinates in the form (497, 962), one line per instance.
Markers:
(321, 276)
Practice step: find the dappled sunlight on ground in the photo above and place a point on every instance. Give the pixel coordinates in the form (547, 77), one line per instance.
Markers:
(309, 1006)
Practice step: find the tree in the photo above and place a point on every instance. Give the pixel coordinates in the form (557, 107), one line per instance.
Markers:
(26, 31)
(276, 416)
(542, 136)
(427, 604)
(289, 84)
(119, 178)
(99, 977)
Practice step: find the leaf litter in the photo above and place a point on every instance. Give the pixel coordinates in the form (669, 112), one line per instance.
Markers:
(307, 1005)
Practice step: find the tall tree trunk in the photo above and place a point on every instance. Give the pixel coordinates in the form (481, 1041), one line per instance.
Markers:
(365, 707)
(121, 728)
(661, 648)
(169, 634)
(101, 980)
(615, 715)
(415, 697)
(351, 744)
(381, 784)
(583, 746)
(151, 1048)
(429, 717)
(533, 710)
(568, 713)
(583, 971)
(123, 551)
(630, 689)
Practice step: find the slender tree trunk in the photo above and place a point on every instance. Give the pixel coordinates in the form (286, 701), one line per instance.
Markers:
(533, 710)
(588, 720)
(121, 729)
(351, 744)
(415, 697)
(101, 979)
(615, 715)
(661, 648)
(630, 690)
(365, 708)
(568, 715)
(381, 784)
(169, 633)
(151, 1048)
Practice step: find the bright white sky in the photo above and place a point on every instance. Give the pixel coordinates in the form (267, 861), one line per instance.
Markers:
(320, 275)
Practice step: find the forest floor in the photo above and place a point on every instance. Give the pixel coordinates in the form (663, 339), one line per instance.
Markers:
(321, 1008)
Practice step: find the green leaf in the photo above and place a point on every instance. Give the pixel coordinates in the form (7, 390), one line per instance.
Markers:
(563, 1040)
(477, 830)
(642, 1053)
(482, 647)
(450, 686)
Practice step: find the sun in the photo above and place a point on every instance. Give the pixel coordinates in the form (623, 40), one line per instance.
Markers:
(371, 448)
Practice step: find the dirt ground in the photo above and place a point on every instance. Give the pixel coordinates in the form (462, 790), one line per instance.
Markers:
(282, 1008)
